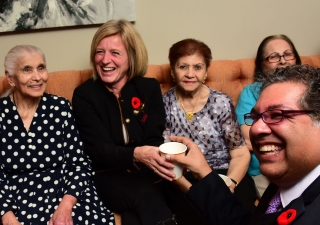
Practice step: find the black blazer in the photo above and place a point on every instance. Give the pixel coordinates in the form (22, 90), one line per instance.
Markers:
(306, 206)
(212, 197)
(98, 116)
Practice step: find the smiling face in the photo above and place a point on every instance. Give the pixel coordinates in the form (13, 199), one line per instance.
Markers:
(111, 61)
(190, 72)
(277, 46)
(289, 150)
(30, 76)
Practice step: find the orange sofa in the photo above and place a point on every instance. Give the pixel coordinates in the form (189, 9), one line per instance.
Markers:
(228, 76)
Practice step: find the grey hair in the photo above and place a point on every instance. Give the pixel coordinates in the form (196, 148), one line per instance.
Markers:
(12, 57)
(305, 75)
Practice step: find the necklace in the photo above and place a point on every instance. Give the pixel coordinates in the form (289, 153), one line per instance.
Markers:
(189, 114)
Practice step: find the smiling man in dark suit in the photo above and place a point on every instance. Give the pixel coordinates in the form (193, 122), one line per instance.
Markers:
(285, 136)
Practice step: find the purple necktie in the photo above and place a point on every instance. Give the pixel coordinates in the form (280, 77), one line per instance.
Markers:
(275, 203)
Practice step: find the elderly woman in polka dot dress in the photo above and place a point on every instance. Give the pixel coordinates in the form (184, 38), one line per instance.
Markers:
(45, 178)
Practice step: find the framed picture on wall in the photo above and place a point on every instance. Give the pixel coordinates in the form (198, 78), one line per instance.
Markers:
(24, 15)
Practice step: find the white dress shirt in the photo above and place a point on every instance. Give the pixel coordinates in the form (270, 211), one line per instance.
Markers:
(293, 192)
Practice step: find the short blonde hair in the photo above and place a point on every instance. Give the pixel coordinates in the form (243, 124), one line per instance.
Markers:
(133, 43)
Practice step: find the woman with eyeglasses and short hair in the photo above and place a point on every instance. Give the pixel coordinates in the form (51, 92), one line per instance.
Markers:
(274, 51)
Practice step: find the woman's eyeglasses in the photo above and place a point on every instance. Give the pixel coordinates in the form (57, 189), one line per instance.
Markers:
(271, 116)
(276, 57)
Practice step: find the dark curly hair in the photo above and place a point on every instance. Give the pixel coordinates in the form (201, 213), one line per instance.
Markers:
(302, 74)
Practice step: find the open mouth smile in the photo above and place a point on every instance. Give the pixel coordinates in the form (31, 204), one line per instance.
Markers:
(36, 86)
(270, 149)
(107, 69)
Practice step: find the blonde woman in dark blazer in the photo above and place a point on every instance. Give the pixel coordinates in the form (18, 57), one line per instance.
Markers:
(121, 117)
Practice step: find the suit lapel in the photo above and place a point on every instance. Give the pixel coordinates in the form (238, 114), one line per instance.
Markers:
(299, 204)
(259, 216)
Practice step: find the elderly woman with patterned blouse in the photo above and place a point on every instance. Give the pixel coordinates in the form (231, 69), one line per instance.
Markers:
(207, 117)
(44, 176)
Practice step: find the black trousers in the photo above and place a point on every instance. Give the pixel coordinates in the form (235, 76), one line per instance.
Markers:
(134, 195)
(185, 212)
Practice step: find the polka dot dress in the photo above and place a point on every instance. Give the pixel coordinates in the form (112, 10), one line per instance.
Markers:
(41, 165)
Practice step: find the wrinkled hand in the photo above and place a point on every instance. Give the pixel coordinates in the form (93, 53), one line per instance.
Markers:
(150, 156)
(9, 219)
(194, 160)
(62, 215)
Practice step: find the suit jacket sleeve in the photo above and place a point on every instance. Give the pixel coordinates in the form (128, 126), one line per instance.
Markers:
(213, 198)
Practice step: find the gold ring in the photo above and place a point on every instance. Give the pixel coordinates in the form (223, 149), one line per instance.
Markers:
(155, 170)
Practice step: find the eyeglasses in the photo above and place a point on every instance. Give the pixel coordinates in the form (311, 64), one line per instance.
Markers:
(276, 57)
(271, 116)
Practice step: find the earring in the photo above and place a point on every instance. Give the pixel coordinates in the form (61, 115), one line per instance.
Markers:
(204, 80)
(173, 78)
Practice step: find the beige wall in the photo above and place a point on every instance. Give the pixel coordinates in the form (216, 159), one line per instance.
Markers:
(232, 29)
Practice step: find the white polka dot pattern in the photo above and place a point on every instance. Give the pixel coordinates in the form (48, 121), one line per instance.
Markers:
(41, 165)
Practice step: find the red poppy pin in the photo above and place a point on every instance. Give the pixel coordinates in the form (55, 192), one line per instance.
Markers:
(138, 107)
(287, 217)
(136, 103)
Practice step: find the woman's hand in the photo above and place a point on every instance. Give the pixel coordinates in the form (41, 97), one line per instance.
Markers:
(194, 160)
(150, 156)
(9, 219)
(62, 215)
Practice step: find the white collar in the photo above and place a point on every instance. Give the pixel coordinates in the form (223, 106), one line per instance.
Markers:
(293, 192)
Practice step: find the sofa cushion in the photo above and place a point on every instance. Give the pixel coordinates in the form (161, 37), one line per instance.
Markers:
(63, 83)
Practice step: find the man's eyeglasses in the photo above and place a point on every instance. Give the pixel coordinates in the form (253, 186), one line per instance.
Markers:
(276, 57)
(271, 116)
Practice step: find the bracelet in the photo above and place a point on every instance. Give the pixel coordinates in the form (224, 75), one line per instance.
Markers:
(235, 182)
